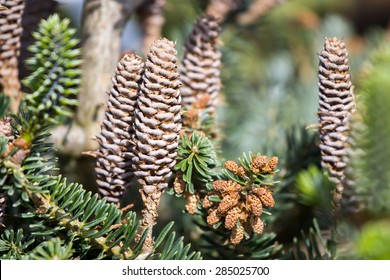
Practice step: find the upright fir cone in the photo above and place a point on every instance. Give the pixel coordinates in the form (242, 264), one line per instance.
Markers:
(113, 158)
(336, 103)
(156, 128)
(10, 32)
(200, 68)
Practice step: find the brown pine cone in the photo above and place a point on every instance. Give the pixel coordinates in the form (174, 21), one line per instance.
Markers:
(200, 68)
(336, 103)
(157, 118)
(273, 162)
(113, 158)
(10, 32)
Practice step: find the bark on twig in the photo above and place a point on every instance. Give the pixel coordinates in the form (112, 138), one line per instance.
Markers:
(151, 17)
(221, 8)
(257, 9)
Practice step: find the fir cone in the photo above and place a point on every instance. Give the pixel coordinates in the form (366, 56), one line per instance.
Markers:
(259, 190)
(257, 224)
(241, 172)
(157, 118)
(236, 235)
(113, 164)
(10, 32)
(336, 104)
(200, 68)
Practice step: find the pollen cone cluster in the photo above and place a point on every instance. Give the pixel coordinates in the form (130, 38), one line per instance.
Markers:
(336, 103)
(200, 68)
(240, 206)
(10, 32)
(113, 164)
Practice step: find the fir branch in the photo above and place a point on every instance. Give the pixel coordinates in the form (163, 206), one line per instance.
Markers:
(196, 160)
(84, 217)
(14, 245)
(55, 78)
(53, 249)
(311, 246)
(370, 139)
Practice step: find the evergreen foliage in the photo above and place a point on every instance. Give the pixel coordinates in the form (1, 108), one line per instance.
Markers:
(55, 76)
